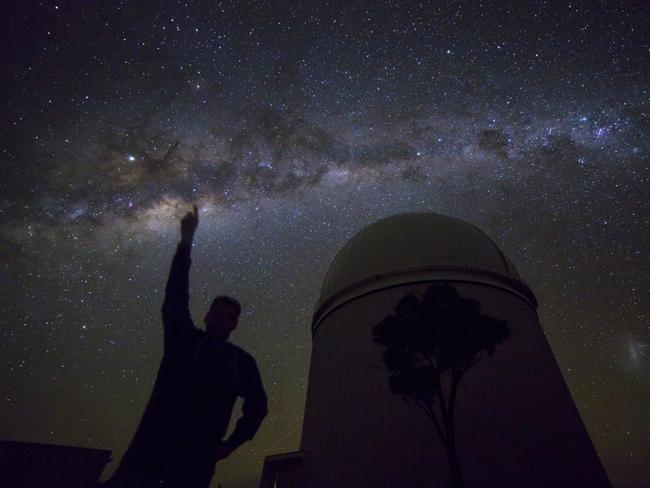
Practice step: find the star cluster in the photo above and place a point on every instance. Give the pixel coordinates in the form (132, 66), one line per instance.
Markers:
(292, 127)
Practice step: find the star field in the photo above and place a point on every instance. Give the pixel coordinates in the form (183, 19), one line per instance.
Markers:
(293, 127)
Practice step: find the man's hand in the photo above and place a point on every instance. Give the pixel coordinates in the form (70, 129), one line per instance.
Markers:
(223, 451)
(189, 223)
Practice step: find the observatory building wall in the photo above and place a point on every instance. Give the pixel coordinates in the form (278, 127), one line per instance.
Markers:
(516, 422)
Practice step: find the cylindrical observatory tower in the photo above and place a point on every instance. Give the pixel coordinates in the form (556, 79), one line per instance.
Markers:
(516, 423)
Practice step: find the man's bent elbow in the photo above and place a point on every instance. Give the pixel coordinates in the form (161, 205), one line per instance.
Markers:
(263, 413)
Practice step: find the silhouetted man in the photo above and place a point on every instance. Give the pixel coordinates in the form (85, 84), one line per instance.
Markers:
(179, 439)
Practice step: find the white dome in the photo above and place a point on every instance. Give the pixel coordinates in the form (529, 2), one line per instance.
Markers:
(414, 247)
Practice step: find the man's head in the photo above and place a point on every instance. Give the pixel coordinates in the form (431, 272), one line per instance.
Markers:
(222, 317)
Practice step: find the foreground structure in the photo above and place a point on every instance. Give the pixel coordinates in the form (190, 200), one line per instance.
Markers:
(29, 464)
(516, 423)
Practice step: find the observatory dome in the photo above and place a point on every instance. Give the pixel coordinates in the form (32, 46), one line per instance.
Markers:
(416, 247)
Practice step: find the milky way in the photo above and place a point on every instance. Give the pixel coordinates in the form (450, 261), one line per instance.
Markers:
(292, 128)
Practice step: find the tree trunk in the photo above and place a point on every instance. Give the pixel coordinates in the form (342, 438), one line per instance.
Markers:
(454, 467)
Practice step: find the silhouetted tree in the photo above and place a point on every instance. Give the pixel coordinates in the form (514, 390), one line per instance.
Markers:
(441, 334)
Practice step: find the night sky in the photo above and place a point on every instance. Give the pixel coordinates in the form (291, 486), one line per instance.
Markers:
(292, 127)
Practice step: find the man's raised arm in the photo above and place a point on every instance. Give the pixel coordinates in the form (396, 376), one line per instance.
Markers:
(176, 307)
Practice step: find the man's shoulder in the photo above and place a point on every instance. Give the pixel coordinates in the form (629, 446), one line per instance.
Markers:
(189, 339)
(194, 337)
(241, 353)
(197, 334)
(238, 350)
